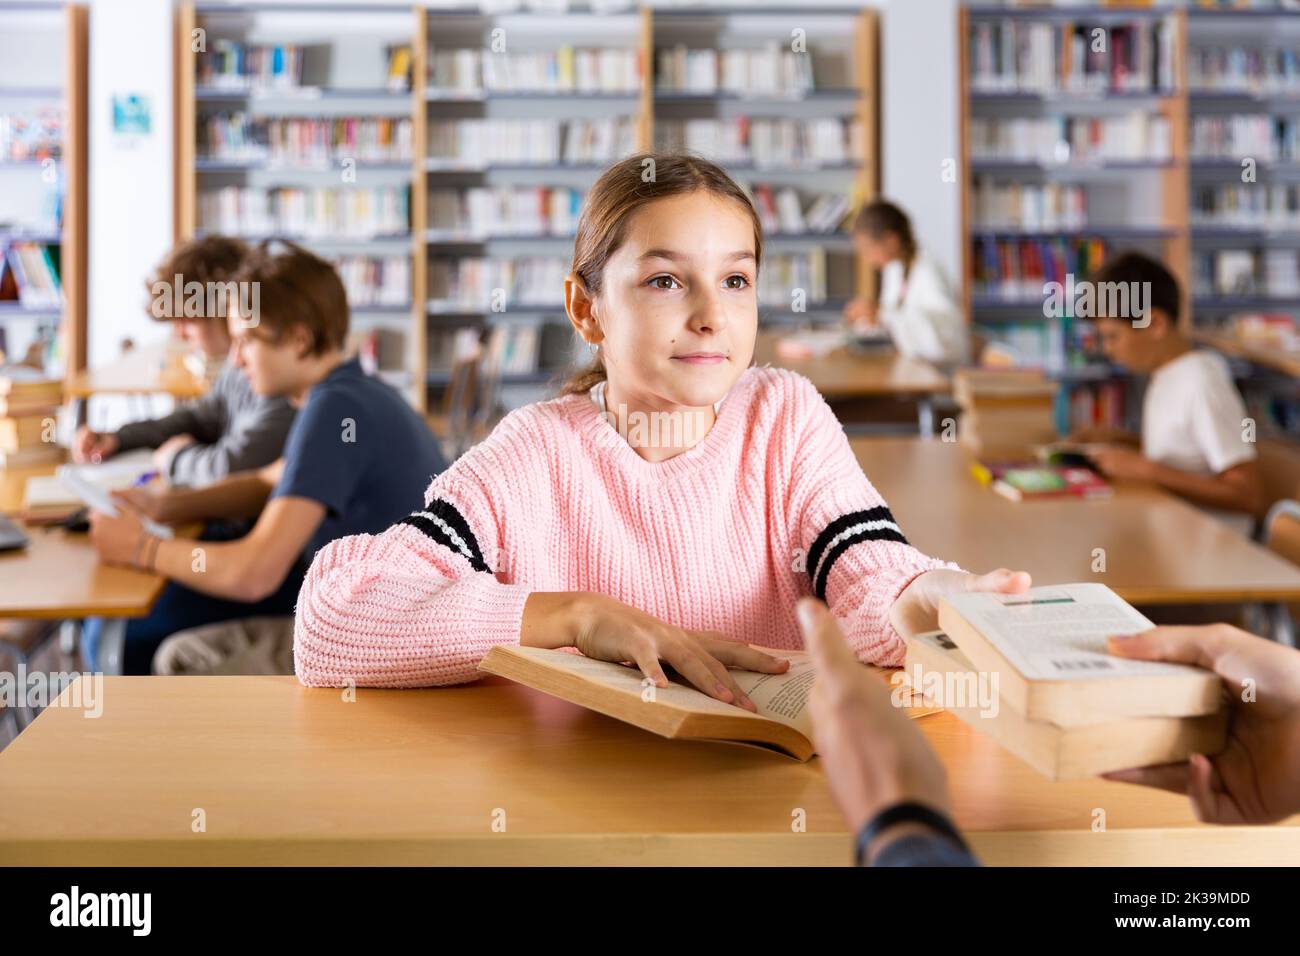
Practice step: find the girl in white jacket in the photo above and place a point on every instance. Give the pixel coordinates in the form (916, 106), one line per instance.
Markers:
(917, 306)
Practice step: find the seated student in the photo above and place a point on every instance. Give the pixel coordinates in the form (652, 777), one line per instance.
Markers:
(916, 304)
(229, 429)
(1194, 440)
(672, 504)
(893, 791)
(356, 459)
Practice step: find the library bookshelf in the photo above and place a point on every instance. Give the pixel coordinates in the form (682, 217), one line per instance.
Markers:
(512, 117)
(1199, 168)
(43, 63)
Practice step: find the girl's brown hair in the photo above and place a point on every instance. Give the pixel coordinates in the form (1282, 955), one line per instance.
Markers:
(623, 190)
(880, 218)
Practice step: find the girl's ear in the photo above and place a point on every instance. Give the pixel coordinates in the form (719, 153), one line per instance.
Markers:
(580, 307)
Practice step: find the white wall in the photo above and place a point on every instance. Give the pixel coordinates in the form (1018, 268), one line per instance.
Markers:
(130, 193)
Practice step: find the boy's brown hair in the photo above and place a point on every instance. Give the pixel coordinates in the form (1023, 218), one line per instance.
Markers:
(1130, 268)
(296, 287)
(210, 259)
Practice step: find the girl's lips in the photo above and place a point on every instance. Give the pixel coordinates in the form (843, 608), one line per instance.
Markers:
(701, 358)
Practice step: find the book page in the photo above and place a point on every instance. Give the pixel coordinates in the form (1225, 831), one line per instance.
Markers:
(1059, 633)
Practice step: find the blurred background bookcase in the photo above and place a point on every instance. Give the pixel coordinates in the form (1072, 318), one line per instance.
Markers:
(506, 120)
(43, 110)
(1073, 154)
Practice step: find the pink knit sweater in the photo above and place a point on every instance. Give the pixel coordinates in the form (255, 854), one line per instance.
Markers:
(769, 506)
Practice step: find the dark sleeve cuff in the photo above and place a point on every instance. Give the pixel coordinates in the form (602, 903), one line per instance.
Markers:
(917, 849)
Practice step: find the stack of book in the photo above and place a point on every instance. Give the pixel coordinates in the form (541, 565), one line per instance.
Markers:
(1006, 415)
(29, 409)
(1032, 671)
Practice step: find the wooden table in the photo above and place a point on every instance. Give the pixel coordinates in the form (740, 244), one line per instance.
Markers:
(1158, 549)
(59, 576)
(140, 371)
(847, 374)
(286, 775)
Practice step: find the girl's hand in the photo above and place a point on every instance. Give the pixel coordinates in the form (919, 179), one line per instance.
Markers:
(917, 608)
(609, 630)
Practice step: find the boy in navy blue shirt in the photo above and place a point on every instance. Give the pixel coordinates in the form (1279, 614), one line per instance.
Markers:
(358, 458)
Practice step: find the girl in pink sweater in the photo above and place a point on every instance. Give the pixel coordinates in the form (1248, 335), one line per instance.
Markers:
(671, 505)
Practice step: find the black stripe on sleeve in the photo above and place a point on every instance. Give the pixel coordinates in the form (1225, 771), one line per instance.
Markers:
(819, 569)
(441, 508)
(436, 529)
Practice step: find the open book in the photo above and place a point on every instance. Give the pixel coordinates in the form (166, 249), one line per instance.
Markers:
(782, 723)
(1048, 647)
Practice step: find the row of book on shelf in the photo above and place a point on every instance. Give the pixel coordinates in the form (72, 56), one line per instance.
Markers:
(1259, 70)
(240, 136)
(498, 284)
(229, 64)
(1246, 272)
(508, 348)
(481, 212)
(767, 71)
(1256, 205)
(1263, 138)
(1056, 140)
(1027, 206)
(566, 69)
(1018, 55)
(29, 274)
(346, 213)
(1019, 269)
(478, 142)
(767, 142)
(375, 280)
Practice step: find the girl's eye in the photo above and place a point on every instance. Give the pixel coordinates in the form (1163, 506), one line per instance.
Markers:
(657, 282)
(737, 281)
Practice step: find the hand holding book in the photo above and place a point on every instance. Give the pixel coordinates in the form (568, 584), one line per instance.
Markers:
(917, 609)
(1256, 777)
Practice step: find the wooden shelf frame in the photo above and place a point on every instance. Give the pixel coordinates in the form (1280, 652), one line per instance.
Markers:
(864, 101)
(72, 237)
